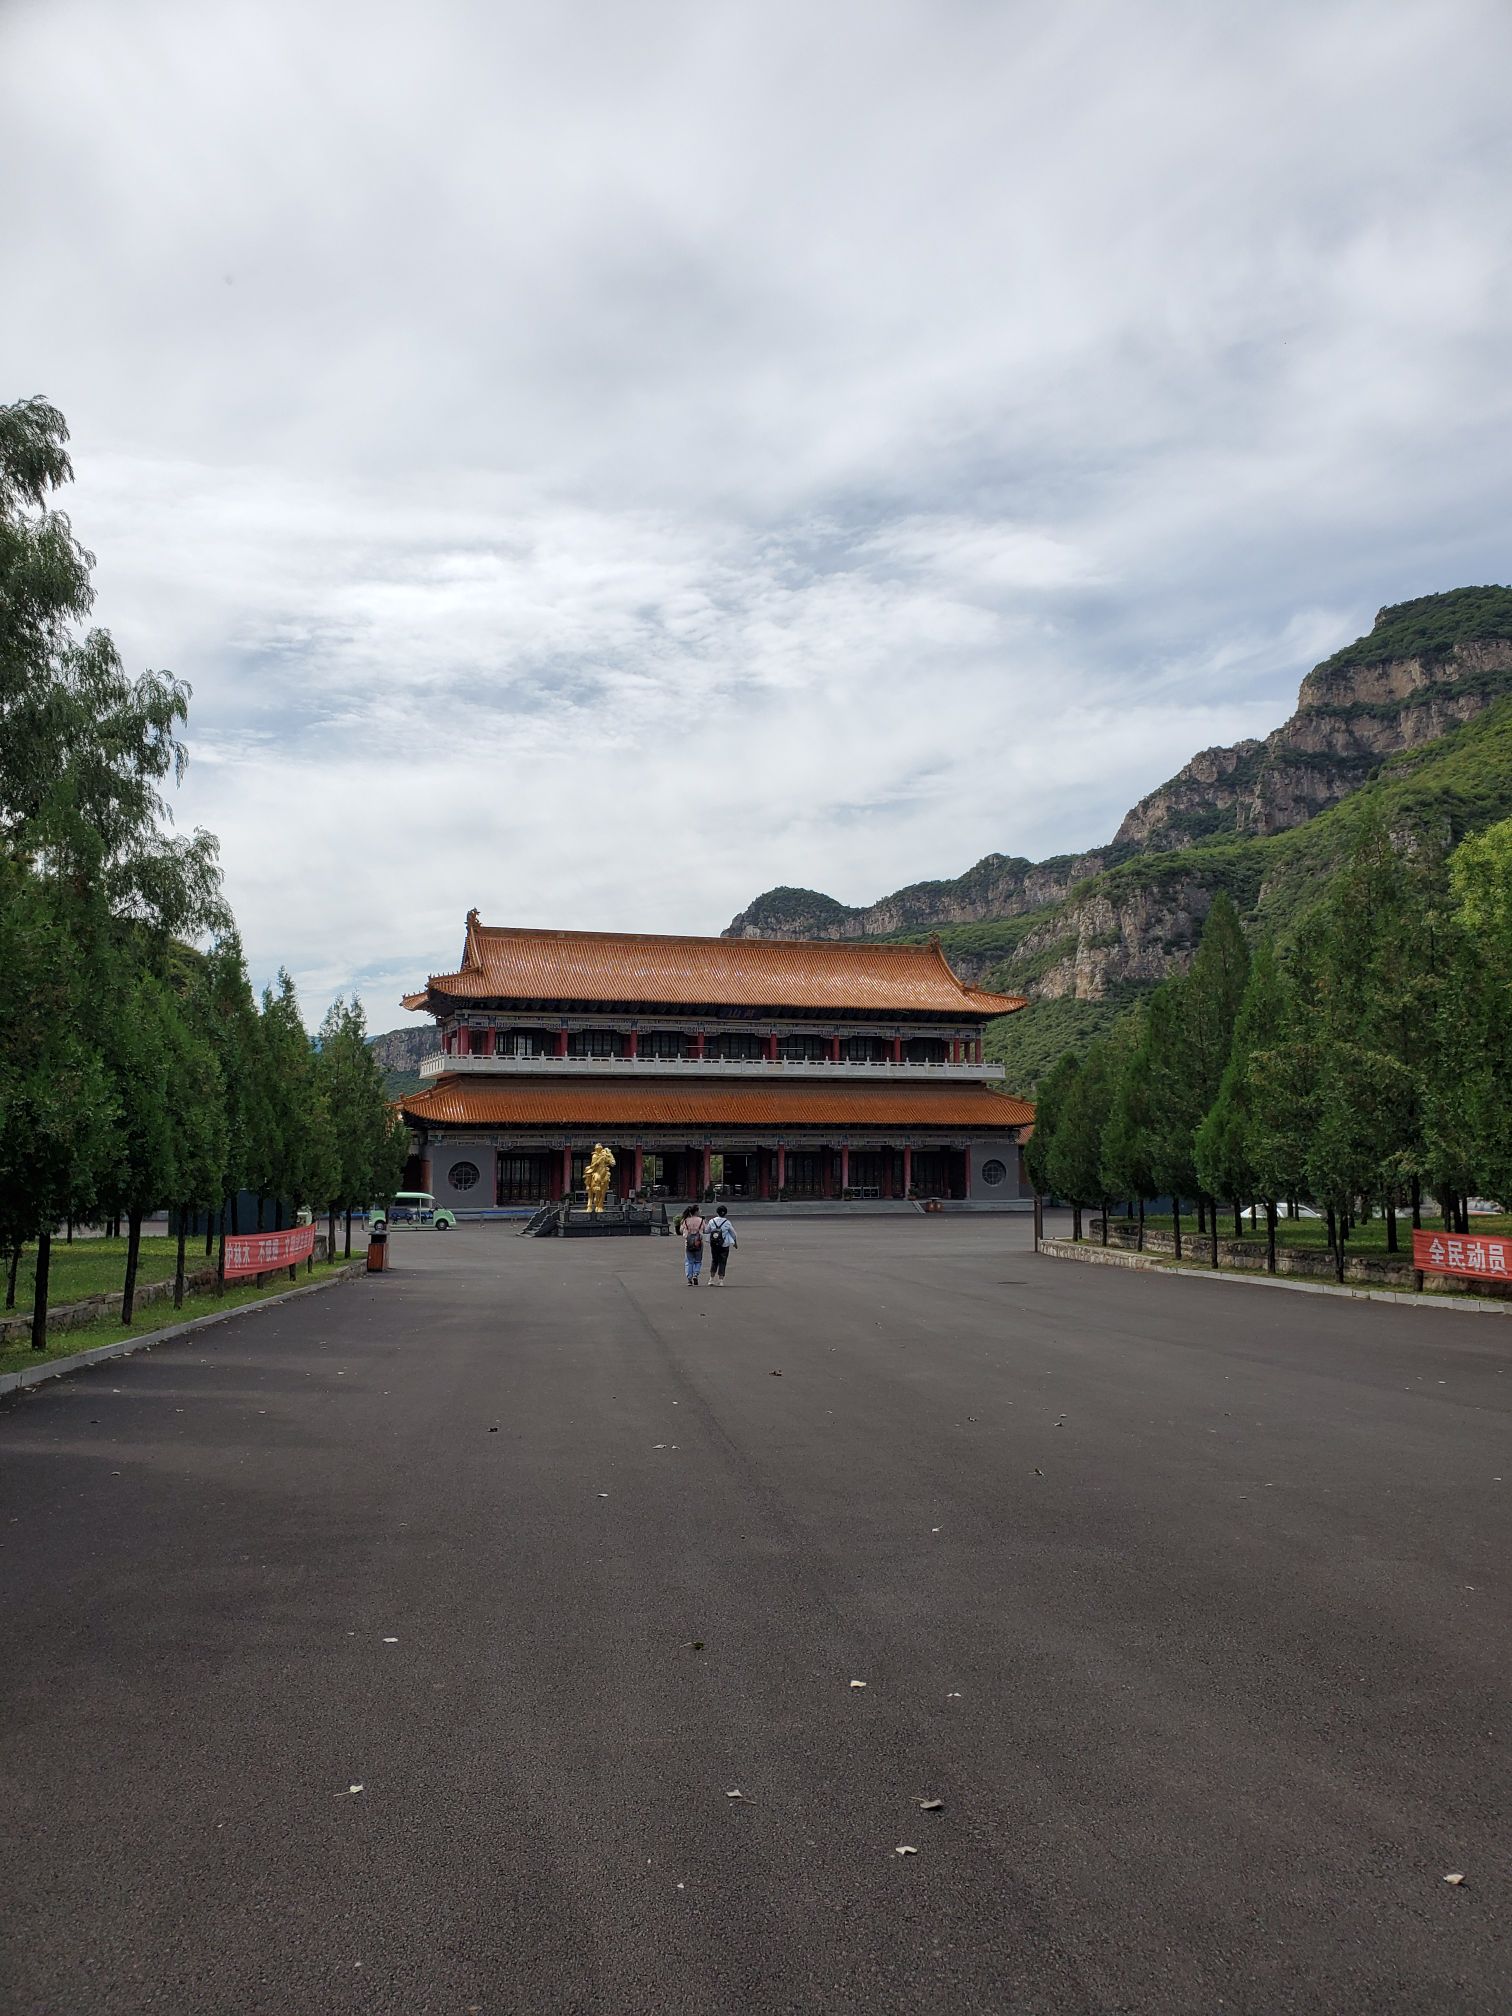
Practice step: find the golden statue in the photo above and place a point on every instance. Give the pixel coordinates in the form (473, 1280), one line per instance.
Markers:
(596, 1176)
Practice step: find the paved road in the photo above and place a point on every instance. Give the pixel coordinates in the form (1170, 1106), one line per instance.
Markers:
(1190, 1602)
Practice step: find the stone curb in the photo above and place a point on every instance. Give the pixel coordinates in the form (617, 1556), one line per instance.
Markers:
(1098, 1256)
(78, 1361)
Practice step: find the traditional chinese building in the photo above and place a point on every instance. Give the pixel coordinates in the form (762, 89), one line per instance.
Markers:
(812, 1070)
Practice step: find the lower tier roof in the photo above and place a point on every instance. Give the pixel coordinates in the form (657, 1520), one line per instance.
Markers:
(652, 1102)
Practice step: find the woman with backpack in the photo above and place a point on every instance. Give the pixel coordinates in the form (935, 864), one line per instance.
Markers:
(691, 1225)
(721, 1238)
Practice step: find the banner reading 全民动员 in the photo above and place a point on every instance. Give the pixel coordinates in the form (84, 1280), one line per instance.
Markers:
(1472, 1254)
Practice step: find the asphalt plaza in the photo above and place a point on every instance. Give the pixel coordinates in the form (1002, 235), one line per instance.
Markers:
(1190, 1605)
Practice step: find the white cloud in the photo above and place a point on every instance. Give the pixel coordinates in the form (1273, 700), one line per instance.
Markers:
(600, 462)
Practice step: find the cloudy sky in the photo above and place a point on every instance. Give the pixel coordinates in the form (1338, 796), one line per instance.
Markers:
(597, 461)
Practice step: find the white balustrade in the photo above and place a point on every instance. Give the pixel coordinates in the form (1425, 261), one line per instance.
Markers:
(443, 1064)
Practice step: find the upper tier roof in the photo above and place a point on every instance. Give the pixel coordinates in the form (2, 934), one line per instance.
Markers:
(502, 963)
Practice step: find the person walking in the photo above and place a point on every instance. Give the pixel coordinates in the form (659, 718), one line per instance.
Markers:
(691, 1225)
(721, 1238)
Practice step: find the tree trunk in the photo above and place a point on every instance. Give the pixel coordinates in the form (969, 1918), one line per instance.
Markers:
(209, 1231)
(178, 1271)
(1213, 1215)
(1201, 1215)
(348, 1252)
(1105, 1221)
(1417, 1205)
(220, 1255)
(1139, 1246)
(10, 1275)
(1238, 1220)
(1464, 1214)
(1291, 1207)
(133, 1254)
(68, 1232)
(1333, 1229)
(331, 1233)
(39, 1292)
(1076, 1221)
(1446, 1209)
(1176, 1225)
(1270, 1235)
(1390, 1211)
(1339, 1253)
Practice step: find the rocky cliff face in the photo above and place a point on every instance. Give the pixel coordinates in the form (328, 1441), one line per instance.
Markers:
(998, 886)
(1426, 667)
(1349, 715)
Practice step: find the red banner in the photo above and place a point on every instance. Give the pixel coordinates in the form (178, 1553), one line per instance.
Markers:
(261, 1252)
(1469, 1253)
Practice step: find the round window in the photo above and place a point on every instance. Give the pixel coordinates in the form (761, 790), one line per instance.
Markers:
(993, 1172)
(464, 1175)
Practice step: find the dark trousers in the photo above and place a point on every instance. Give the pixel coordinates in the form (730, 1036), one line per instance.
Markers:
(717, 1257)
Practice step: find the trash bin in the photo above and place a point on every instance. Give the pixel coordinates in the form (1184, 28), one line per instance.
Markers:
(377, 1252)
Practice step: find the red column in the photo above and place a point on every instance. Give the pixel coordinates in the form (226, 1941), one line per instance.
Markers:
(771, 1047)
(844, 1168)
(698, 1043)
(827, 1172)
(639, 1173)
(834, 1049)
(764, 1173)
(965, 1172)
(632, 1044)
(706, 1163)
(907, 1169)
(561, 1043)
(782, 1168)
(490, 1042)
(955, 1049)
(566, 1172)
(897, 1056)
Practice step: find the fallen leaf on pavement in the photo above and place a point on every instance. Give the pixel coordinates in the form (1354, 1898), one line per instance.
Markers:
(931, 1805)
(858, 1683)
(736, 1794)
(1455, 1878)
(904, 1849)
(348, 1792)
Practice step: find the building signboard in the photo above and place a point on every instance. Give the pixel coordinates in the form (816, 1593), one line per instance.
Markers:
(262, 1252)
(1472, 1254)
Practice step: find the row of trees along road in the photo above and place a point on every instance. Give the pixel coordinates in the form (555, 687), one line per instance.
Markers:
(136, 1071)
(1359, 1067)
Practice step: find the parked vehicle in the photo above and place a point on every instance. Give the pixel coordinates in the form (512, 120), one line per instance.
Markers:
(411, 1207)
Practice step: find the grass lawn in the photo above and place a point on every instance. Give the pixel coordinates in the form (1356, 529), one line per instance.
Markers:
(158, 1316)
(1313, 1232)
(98, 1267)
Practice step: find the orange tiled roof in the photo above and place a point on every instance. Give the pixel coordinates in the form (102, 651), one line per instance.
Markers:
(503, 963)
(654, 1102)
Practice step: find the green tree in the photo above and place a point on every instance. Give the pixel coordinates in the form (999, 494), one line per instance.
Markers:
(196, 1108)
(1226, 1145)
(1076, 1157)
(1128, 1142)
(139, 1052)
(1050, 1100)
(57, 1106)
(360, 1116)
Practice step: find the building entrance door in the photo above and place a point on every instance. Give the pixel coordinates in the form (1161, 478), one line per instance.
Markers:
(805, 1172)
(523, 1179)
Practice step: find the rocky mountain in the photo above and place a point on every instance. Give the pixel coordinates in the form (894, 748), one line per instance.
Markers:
(1419, 712)
(399, 1052)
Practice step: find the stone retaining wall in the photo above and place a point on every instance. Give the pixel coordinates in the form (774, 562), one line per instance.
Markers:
(97, 1308)
(1247, 1256)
